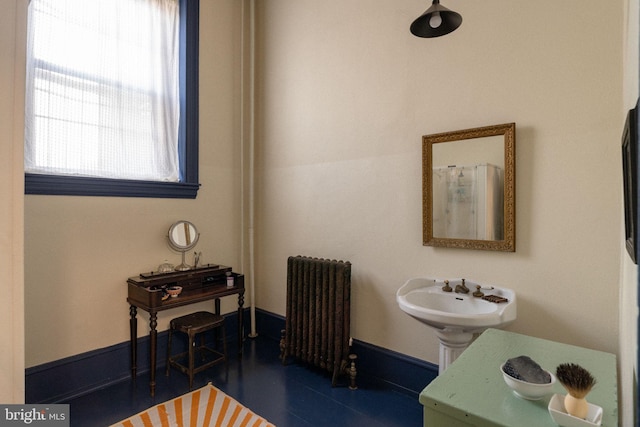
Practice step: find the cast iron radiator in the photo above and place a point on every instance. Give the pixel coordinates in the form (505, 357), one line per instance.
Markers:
(318, 316)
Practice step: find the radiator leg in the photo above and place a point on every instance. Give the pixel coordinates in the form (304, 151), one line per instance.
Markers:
(283, 346)
(346, 368)
(352, 372)
(337, 371)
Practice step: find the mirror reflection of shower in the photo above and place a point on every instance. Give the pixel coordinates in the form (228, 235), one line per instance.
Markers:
(468, 202)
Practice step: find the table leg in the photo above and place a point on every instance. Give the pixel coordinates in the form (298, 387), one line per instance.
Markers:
(240, 322)
(133, 330)
(217, 311)
(153, 336)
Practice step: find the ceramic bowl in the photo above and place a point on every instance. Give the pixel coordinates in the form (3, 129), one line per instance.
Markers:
(174, 291)
(526, 390)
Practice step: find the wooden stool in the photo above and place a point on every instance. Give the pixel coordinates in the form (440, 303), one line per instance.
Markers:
(193, 324)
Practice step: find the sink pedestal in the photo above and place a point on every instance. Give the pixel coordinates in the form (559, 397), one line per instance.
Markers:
(453, 342)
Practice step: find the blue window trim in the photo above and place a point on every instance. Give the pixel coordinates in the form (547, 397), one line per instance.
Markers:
(188, 186)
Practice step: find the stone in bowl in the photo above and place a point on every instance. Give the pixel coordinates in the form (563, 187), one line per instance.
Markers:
(526, 378)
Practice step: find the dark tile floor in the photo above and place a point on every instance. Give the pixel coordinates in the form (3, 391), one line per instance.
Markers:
(288, 396)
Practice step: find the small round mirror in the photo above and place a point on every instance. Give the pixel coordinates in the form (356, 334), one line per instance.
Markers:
(183, 236)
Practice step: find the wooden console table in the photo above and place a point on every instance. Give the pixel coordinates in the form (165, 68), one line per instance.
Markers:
(201, 284)
(472, 392)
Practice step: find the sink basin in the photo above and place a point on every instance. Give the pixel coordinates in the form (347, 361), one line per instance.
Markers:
(456, 317)
(425, 300)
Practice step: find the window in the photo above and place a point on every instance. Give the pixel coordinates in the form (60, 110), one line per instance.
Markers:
(111, 105)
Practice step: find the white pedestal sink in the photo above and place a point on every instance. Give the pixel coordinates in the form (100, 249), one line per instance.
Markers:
(456, 316)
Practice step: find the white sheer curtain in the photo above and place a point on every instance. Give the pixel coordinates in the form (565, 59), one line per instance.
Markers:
(494, 213)
(103, 89)
(439, 205)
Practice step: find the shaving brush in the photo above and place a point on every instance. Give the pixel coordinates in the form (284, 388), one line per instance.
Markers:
(578, 382)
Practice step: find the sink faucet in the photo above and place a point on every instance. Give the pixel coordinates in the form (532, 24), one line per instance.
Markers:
(446, 286)
(462, 288)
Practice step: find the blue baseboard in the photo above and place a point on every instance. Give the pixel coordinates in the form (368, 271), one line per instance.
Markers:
(65, 379)
(399, 371)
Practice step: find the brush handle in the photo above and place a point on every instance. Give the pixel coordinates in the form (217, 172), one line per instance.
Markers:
(579, 408)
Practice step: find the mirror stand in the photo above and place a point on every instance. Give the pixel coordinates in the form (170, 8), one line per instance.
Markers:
(183, 265)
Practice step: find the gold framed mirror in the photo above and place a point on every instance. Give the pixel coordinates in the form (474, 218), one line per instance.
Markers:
(468, 188)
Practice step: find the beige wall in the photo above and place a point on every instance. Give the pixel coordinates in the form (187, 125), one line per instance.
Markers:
(346, 93)
(11, 208)
(80, 250)
(629, 283)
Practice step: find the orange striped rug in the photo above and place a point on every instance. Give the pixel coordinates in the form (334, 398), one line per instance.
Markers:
(204, 407)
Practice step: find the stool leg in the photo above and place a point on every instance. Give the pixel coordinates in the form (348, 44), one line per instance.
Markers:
(202, 345)
(224, 344)
(191, 360)
(169, 352)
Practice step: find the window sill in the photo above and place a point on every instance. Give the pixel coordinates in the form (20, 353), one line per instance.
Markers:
(85, 186)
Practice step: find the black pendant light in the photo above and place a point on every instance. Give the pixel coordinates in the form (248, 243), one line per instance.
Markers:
(436, 21)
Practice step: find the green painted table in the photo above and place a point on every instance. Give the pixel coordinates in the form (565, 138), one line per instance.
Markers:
(472, 392)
